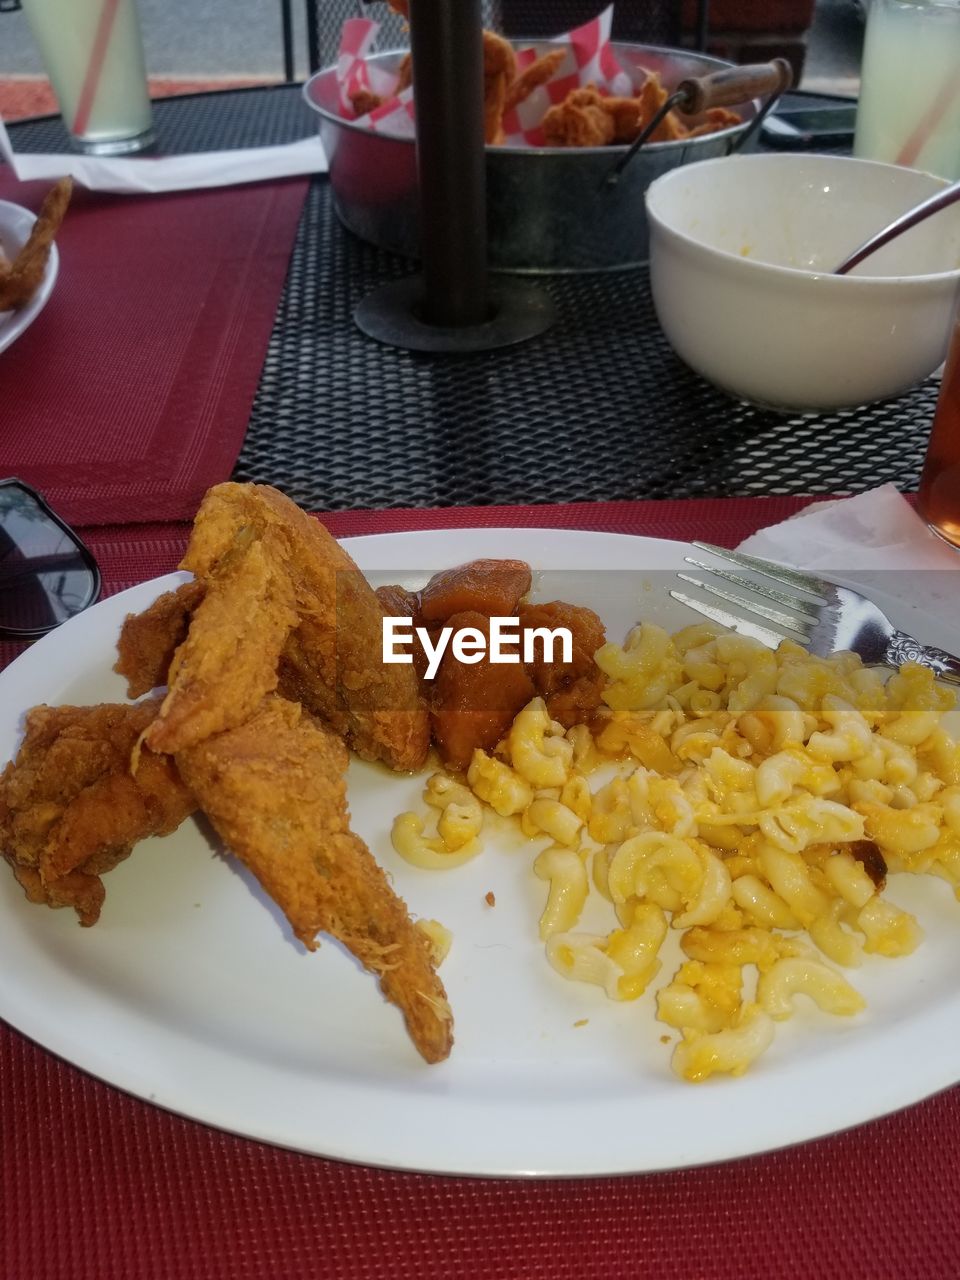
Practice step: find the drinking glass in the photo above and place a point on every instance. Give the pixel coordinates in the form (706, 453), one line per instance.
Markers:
(93, 53)
(939, 498)
(909, 110)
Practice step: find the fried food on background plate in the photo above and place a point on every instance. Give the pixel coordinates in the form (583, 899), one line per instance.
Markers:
(148, 640)
(332, 660)
(70, 809)
(275, 792)
(20, 279)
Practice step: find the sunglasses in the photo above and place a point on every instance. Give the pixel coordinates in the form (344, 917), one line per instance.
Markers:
(47, 575)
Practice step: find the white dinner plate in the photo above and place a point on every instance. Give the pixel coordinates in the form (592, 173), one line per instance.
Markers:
(15, 224)
(190, 991)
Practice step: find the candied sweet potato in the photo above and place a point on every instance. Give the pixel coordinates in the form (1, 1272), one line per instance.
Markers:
(474, 704)
(571, 689)
(491, 587)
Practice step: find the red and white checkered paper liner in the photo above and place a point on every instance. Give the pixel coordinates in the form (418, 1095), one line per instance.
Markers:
(589, 60)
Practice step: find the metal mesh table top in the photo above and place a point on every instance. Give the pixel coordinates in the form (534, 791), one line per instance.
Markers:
(597, 409)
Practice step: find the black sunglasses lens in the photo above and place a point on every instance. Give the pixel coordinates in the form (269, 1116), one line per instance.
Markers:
(45, 577)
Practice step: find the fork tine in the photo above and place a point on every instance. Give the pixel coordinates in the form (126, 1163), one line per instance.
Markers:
(793, 603)
(779, 573)
(787, 620)
(772, 639)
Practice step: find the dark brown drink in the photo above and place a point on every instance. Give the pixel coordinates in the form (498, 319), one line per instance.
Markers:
(939, 498)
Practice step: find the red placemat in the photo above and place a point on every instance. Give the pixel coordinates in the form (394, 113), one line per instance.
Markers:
(95, 1185)
(130, 394)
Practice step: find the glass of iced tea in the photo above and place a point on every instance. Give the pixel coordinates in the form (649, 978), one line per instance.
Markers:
(939, 498)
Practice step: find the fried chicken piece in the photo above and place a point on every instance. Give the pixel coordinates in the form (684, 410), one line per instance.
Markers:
(499, 72)
(538, 73)
(149, 640)
(404, 73)
(84, 893)
(717, 118)
(364, 101)
(20, 279)
(579, 121)
(275, 792)
(332, 661)
(70, 809)
(228, 662)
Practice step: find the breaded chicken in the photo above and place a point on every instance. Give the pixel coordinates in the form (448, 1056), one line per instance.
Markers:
(70, 809)
(332, 660)
(228, 662)
(579, 121)
(20, 279)
(149, 640)
(538, 73)
(275, 792)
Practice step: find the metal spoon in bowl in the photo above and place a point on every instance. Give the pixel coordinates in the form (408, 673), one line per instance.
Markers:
(933, 204)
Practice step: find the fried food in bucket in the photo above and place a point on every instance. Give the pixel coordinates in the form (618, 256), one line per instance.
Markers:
(538, 73)
(275, 792)
(588, 118)
(20, 279)
(579, 121)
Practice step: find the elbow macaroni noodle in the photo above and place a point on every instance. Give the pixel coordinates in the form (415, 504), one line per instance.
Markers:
(756, 799)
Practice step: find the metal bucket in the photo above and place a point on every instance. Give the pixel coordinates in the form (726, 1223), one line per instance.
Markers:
(546, 211)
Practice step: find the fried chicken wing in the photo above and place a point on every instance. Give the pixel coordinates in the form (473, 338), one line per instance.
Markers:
(364, 101)
(538, 73)
(70, 809)
(499, 72)
(149, 640)
(579, 121)
(228, 662)
(404, 73)
(20, 279)
(275, 792)
(332, 661)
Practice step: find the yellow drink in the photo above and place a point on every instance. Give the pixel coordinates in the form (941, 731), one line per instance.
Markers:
(93, 54)
(909, 110)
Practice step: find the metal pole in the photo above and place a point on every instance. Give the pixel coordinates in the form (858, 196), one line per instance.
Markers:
(702, 24)
(286, 17)
(313, 37)
(447, 42)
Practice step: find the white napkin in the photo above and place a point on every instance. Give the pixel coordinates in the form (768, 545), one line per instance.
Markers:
(123, 175)
(875, 539)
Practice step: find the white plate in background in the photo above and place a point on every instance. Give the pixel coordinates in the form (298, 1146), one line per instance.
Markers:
(15, 224)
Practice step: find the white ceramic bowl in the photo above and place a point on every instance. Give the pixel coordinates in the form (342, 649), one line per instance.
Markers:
(741, 251)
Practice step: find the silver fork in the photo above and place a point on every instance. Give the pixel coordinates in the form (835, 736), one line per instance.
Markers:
(825, 619)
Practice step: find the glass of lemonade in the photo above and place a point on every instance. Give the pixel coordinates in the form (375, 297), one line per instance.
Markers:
(909, 110)
(93, 53)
